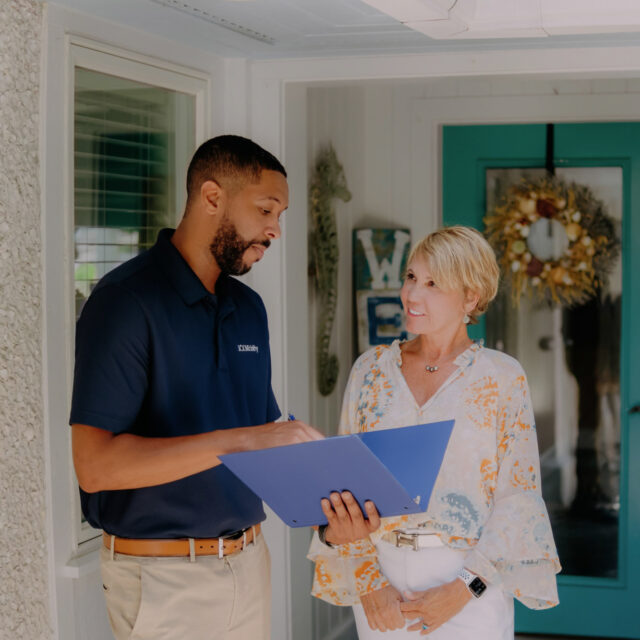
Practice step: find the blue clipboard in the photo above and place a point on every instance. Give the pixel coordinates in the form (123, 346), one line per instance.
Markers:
(395, 468)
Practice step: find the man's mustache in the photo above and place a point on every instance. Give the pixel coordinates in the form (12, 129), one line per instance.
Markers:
(266, 243)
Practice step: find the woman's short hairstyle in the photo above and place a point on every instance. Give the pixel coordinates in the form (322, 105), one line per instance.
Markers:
(460, 258)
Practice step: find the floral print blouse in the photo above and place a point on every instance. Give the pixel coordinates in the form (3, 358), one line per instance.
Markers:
(486, 499)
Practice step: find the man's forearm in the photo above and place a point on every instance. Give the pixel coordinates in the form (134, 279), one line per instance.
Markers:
(106, 461)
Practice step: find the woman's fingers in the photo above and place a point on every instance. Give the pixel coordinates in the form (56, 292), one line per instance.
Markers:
(376, 623)
(425, 627)
(397, 621)
(381, 609)
(430, 628)
(416, 627)
(349, 512)
(374, 619)
(372, 514)
(355, 513)
(386, 620)
(338, 506)
(327, 509)
(436, 605)
(347, 522)
(412, 609)
(390, 618)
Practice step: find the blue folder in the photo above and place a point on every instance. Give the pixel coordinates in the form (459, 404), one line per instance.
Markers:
(395, 468)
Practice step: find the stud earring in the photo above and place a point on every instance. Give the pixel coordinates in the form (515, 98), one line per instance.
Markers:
(466, 318)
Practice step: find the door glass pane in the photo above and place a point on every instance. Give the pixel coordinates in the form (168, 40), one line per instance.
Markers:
(571, 357)
(131, 145)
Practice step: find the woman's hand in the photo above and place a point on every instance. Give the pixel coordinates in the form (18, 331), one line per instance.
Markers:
(435, 606)
(346, 520)
(382, 609)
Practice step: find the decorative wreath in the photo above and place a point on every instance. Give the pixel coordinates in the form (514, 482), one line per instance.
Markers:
(591, 241)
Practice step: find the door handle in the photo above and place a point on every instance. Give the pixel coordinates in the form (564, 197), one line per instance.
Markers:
(635, 409)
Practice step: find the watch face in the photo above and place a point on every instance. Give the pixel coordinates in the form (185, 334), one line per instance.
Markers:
(477, 587)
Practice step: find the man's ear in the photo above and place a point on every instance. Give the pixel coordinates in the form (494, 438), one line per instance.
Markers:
(213, 197)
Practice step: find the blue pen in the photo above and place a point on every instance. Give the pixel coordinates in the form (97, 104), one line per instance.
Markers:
(291, 416)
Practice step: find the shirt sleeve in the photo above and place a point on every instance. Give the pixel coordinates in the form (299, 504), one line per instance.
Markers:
(111, 366)
(346, 572)
(516, 547)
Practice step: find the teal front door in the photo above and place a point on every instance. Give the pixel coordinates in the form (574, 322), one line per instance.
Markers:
(588, 428)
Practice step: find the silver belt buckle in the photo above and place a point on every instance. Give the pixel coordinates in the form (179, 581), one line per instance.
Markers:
(403, 539)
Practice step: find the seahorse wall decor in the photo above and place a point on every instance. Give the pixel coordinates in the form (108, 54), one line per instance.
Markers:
(328, 182)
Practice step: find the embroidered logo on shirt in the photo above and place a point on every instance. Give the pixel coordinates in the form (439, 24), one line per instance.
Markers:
(248, 347)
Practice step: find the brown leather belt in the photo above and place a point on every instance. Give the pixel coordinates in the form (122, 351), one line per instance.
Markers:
(181, 547)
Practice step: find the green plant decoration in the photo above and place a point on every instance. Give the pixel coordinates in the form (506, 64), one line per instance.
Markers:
(328, 182)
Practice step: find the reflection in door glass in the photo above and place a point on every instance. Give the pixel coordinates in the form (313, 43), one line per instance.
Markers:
(571, 357)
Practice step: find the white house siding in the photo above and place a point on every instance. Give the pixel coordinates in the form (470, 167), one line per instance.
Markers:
(23, 555)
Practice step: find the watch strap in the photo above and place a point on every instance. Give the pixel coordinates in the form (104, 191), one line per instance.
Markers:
(474, 583)
(465, 576)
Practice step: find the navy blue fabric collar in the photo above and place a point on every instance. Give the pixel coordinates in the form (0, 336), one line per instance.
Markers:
(182, 276)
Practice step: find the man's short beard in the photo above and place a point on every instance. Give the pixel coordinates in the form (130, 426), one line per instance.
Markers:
(228, 248)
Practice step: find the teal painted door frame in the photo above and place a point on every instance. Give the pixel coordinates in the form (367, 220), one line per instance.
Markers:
(595, 607)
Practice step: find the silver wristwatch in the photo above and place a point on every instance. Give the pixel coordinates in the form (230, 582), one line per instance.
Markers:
(474, 583)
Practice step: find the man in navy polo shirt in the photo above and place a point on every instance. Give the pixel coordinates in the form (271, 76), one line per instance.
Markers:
(172, 370)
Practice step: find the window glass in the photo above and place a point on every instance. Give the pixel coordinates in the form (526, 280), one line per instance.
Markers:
(131, 144)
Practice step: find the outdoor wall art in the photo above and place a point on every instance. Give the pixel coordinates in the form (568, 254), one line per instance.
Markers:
(327, 183)
(379, 260)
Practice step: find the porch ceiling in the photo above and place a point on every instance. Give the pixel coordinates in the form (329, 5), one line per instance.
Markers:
(270, 29)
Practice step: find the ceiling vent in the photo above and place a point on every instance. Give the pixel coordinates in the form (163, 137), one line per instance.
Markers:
(201, 14)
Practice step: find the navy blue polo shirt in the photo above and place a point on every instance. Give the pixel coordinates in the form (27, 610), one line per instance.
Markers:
(157, 355)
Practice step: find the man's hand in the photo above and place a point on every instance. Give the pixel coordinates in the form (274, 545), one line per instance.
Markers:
(435, 606)
(278, 434)
(382, 609)
(346, 520)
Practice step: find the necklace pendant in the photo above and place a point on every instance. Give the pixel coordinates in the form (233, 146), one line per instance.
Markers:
(430, 369)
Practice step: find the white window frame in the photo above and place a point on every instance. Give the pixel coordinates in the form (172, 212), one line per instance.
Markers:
(59, 241)
(107, 60)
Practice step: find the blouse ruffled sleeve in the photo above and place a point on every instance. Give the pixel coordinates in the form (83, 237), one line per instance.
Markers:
(345, 572)
(516, 547)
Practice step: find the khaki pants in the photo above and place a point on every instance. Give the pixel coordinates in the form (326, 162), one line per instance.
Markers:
(175, 599)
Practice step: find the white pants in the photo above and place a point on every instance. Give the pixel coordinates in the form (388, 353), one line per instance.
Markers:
(174, 599)
(489, 617)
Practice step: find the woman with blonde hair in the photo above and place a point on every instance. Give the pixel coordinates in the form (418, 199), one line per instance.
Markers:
(451, 572)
